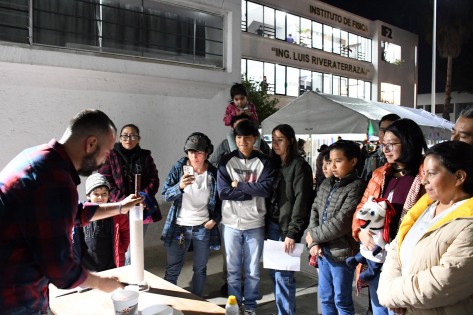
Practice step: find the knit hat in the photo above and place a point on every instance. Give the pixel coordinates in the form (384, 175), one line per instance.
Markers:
(94, 181)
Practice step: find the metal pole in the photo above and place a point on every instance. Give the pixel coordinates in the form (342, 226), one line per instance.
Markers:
(434, 44)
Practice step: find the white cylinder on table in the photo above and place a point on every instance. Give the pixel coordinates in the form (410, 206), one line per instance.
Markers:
(136, 244)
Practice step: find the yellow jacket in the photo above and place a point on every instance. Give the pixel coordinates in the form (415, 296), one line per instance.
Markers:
(439, 280)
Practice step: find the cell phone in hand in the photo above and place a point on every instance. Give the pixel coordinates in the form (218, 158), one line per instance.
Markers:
(188, 169)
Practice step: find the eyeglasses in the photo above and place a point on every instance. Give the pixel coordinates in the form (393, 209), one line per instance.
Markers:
(129, 137)
(388, 146)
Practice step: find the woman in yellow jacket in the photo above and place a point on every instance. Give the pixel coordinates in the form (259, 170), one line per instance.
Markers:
(429, 265)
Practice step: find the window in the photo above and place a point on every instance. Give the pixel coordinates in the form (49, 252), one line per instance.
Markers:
(255, 17)
(269, 72)
(391, 53)
(255, 71)
(327, 83)
(244, 20)
(337, 46)
(280, 79)
(14, 21)
(130, 27)
(280, 25)
(390, 93)
(269, 29)
(328, 38)
(292, 81)
(317, 36)
(305, 81)
(306, 32)
(335, 85)
(317, 82)
(293, 28)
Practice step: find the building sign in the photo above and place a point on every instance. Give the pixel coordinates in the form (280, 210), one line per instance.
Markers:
(338, 19)
(327, 63)
(386, 31)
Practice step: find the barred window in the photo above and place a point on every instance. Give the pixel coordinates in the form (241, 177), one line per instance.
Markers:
(144, 28)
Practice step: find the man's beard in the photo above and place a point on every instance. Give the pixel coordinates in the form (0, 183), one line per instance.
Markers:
(88, 164)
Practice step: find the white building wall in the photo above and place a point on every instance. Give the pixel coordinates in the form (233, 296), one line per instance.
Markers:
(404, 74)
(41, 89)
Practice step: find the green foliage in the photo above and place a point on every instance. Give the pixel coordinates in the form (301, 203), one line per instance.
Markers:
(265, 104)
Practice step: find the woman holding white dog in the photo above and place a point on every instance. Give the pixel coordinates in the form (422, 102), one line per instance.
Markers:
(429, 265)
(398, 181)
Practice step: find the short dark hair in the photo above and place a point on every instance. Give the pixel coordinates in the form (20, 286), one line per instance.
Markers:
(454, 156)
(412, 143)
(325, 155)
(290, 134)
(389, 117)
(467, 112)
(132, 126)
(349, 148)
(238, 117)
(91, 122)
(237, 89)
(246, 128)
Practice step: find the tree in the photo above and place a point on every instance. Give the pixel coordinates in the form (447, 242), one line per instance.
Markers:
(453, 30)
(265, 104)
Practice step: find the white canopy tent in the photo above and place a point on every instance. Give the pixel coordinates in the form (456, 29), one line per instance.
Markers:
(314, 113)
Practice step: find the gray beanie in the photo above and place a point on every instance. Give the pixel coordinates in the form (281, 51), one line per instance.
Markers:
(94, 181)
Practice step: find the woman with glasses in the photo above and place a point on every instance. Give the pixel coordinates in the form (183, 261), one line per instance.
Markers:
(191, 186)
(399, 181)
(125, 161)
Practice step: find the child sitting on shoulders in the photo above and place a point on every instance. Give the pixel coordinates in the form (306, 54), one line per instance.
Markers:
(239, 105)
(101, 244)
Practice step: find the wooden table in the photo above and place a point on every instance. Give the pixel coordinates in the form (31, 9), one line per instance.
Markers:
(100, 303)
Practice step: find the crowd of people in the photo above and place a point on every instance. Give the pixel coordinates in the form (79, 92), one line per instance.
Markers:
(235, 198)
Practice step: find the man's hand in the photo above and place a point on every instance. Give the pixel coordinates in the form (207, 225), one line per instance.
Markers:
(235, 184)
(106, 284)
(130, 202)
(186, 180)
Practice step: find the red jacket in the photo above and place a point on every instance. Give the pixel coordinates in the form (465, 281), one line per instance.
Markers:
(375, 188)
(233, 110)
(121, 238)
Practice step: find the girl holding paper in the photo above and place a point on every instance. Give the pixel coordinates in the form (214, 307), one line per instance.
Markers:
(288, 210)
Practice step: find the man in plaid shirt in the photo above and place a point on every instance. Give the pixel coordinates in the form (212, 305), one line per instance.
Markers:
(38, 208)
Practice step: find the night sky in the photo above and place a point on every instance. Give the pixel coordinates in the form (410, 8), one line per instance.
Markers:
(415, 16)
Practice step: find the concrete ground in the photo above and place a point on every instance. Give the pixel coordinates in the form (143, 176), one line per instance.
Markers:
(306, 279)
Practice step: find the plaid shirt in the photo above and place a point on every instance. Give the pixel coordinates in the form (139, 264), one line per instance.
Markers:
(38, 209)
(172, 192)
(119, 187)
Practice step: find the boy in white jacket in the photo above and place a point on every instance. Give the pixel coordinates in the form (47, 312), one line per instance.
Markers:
(244, 181)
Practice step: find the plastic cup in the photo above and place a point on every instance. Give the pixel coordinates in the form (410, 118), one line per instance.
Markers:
(125, 302)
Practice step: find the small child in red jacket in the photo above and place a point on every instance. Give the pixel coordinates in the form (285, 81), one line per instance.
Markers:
(240, 105)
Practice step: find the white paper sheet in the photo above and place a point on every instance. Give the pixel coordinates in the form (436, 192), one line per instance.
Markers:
(274, 256)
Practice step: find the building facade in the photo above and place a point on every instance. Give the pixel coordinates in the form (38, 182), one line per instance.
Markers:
(164, 66)
(310, 45)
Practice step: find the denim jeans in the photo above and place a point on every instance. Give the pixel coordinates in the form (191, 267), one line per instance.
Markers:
(335, 286)
(283, 281)
(200, 237)
(248, 243)
(128, 253)
(376, 307)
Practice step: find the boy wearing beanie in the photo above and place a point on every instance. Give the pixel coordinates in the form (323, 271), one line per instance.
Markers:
(102, 244)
